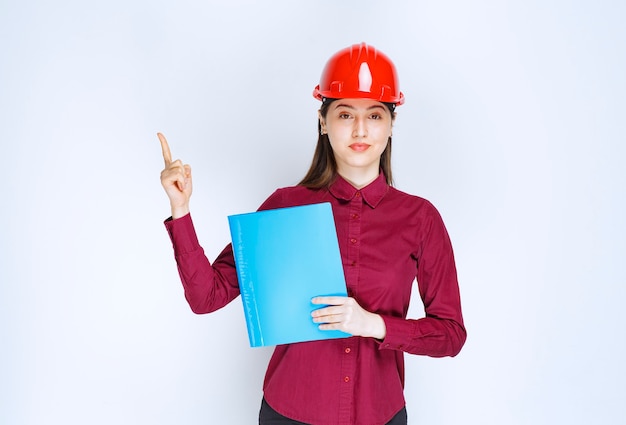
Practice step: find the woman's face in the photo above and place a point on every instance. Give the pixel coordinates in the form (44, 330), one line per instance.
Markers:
(358, 130)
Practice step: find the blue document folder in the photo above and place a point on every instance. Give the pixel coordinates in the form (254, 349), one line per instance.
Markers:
(284, 257)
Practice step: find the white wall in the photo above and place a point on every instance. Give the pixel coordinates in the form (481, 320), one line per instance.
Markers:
(514, 127)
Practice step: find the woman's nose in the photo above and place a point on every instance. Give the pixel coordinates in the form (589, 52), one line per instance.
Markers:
(360, 128)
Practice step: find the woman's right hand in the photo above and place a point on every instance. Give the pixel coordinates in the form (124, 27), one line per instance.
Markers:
(176, 180)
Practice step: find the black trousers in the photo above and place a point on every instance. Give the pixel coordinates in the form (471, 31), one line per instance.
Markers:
(268, 416)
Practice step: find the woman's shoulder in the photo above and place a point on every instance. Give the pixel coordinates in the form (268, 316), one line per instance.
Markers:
(399, 195)
(290, 196)
(415, 210)
(413, 205)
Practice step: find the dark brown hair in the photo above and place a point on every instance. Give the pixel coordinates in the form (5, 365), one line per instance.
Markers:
(323, 170)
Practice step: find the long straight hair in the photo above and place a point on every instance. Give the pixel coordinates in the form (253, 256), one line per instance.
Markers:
(323, 170)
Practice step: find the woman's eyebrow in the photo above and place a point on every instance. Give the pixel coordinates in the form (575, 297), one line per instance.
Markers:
(344, 105)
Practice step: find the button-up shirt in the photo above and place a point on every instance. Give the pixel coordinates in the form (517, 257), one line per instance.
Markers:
(387, 239)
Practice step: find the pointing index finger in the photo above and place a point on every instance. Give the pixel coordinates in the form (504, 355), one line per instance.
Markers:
(167, 155)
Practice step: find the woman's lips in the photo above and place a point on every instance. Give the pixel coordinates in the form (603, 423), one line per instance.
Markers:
(359, 147)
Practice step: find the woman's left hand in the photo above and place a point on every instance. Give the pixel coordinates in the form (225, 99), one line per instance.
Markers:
(345, 314)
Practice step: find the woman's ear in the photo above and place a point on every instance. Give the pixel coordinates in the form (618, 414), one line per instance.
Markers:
(322, 123)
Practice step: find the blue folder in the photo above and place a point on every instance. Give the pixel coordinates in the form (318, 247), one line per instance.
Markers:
(284, 257)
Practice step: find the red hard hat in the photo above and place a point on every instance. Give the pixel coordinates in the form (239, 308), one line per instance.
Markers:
(360, 71)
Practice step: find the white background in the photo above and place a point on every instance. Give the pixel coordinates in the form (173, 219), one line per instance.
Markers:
(514, 127)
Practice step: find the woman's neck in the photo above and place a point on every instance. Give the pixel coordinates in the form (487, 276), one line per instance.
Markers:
(357, 178)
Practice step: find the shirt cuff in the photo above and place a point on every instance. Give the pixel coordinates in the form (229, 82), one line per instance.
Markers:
(397, 330)
(182, 234)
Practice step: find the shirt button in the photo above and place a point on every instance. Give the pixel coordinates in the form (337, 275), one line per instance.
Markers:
(346, 379)
(353, 263)
(354, 216)
(358, 194)
(347, 350)
(352, 241)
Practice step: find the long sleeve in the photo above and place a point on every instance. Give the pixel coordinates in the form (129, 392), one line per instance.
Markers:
(442, 332)
(208, 287)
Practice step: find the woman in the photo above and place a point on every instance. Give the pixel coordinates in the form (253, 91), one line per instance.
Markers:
(387, 238)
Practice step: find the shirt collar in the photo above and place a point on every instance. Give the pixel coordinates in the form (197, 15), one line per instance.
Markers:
(372, 194)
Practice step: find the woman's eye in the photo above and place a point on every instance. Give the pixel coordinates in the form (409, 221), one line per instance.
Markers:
(375, 116)
(344, 116)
